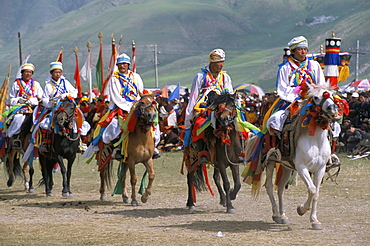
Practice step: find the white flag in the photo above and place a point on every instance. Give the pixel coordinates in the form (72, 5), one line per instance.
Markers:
(86, 73)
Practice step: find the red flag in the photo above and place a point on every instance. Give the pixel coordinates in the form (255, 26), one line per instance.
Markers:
(60, 56)
(112, 64)
(133, 58)
(164, 92)
(77, 78)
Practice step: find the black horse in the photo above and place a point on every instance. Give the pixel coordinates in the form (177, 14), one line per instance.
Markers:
(224, 147)
(64, 145)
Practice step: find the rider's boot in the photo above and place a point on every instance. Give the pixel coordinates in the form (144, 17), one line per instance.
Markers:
(203, 155)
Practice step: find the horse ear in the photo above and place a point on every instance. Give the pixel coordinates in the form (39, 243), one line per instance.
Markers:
(141, 94)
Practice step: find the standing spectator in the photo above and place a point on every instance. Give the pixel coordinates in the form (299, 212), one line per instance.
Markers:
(354, 105)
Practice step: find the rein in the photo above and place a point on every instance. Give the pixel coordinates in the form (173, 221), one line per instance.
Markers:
(223, 131)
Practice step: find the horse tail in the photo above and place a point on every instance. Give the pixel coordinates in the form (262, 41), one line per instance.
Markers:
(17, 169)
(108, 174)
(199, 181)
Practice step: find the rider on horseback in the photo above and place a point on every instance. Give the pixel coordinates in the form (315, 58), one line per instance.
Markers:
(124, 89)
(210, 79)
(57, 87)
(24, 95)
(292, 79)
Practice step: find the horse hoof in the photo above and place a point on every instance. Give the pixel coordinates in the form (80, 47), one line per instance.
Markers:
(49, 194)
(144, 199)
(277, 219)
(231, 211)
(134, 203)
(285, 221)
(317, 226)
(300, 210)
(67, 194)
(9, 183)
(125, 200)
(103, 198)
(191, 208)
(31, 190)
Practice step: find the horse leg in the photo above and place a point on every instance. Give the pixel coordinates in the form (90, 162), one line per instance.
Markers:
(28, 184)
(102, 174)
(47, 174)
(63, 171)
(216, 178)
(306, 177)
(124, 173)
(133, 180)
(31, 171)
(190, 181)
(148, 190)
(312, 193)
(237, 184)
(315, 223)
(10, 168)
(226, 184)
(69, 174)
(270, 192)
(281, 188)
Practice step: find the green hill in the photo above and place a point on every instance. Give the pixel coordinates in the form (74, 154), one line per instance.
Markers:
(253, 33)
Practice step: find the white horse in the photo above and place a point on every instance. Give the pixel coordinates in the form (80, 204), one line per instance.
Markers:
(312, 152)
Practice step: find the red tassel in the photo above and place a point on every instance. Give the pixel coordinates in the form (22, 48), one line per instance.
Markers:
(205, 172)
(194, 193)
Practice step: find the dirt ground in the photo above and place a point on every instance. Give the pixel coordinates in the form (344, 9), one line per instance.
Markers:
(34, 219)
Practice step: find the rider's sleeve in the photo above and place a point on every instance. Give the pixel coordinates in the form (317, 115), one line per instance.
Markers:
(70, 89)
(284, 86)
(13, 94)
(228, 85)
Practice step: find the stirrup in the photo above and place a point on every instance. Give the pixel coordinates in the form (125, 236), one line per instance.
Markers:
(43, 148)
(16, 144)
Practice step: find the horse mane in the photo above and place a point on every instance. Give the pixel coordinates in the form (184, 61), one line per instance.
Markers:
(222, 98)
(317, 90)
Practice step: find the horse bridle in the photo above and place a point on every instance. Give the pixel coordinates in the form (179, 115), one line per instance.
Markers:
(325, 96)
(69, 121)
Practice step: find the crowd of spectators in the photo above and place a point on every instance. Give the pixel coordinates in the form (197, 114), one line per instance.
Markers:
(355, 127)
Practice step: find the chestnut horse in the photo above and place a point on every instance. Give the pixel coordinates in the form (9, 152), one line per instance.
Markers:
(14, 157)
(140, 149)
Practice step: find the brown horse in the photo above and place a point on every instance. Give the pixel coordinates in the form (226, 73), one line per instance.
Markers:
(14, 156)
(140, 149)
(224, 147)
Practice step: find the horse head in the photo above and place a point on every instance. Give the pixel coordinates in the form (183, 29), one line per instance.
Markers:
(323, 102)
(64, 115)
(147, 108)
(224, 108)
